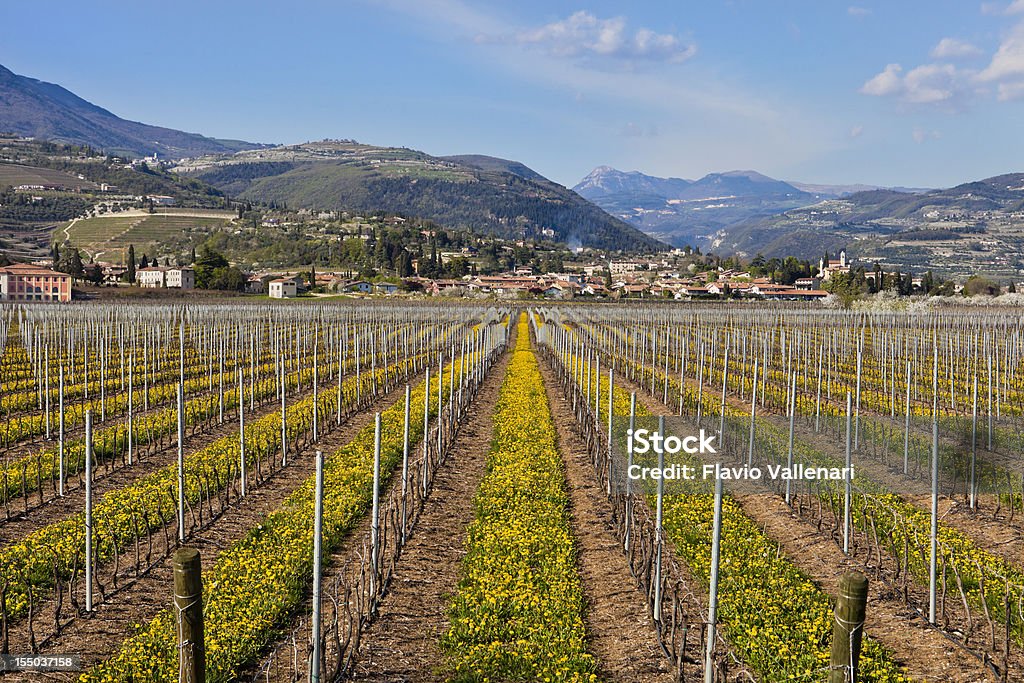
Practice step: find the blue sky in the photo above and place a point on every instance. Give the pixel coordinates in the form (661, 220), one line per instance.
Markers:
(899, 93)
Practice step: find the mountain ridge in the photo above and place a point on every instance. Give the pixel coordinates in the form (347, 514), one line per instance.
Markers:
(496, 196)
(34, 108)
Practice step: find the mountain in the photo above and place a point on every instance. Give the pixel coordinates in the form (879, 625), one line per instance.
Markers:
(33, 108)
(683, 212)
(833, 191)
(972, 228)
(739, 184)
(605, 181)
(485, 163)
(496, 196)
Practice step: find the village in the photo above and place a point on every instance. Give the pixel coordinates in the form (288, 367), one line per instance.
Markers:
(651, 277)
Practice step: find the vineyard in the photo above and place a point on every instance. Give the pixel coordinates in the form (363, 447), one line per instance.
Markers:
(445, 492)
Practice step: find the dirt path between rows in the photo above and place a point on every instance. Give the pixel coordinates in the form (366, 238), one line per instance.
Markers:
(621, 635)
(402, 645)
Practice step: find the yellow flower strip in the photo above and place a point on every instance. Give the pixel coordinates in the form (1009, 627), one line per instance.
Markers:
(259, 580)
(518, 612)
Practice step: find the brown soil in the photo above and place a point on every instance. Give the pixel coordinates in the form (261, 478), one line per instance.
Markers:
(621, 634)
(402, 644)
(925, 653)
(139, 599)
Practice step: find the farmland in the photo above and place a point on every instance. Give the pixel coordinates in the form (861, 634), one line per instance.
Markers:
(440, 492)
(19, 174)
(110, 235)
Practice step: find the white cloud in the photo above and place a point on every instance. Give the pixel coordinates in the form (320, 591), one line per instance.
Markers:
(954, 87)
(953, 48)
(857, 11)
(928, 84)
(1009, 92)
(584, 35)
(856, 131)
(933, 83)
(887, 82)
(1008, 61)
(922, 136)
(999, 8)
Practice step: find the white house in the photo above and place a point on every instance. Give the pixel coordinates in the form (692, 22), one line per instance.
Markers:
(181, 278)
(157, 276)
(283, 288)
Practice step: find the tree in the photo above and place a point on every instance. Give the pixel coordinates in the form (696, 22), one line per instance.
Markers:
(928, 282)
(225, 278)
(55, 253)
(404, 264)
(71, 263)
(977, 284)
(94, 274)
(208, 262)
(144, 262)
(1011, 288)
(130, 274)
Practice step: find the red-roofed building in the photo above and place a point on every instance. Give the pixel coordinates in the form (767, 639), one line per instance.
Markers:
(25, 282)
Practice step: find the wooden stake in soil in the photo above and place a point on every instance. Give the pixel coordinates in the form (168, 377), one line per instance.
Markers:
(375, 518)
(849, 628)
(242, 474)
(405, 460)
(60, 428)
(847, 490)
(318, 522)
(181, 465)
(88, 511)
(188, 604)
(716, 544)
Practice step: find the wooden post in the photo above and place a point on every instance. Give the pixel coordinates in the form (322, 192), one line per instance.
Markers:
(848, 484)
(849, 628)
(789, 450)
(375, 515)
(426, 431)
(318, 525)
(188, 604)
(628, 535)
(716, 545)
(88, 511)
(658, 540)
(60, 432)
(753, 414)
(405, 459)
(181, 465)
(242, 474)
(131, 406)
(284, 421)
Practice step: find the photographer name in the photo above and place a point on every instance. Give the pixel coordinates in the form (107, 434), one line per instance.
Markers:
(797, 472)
